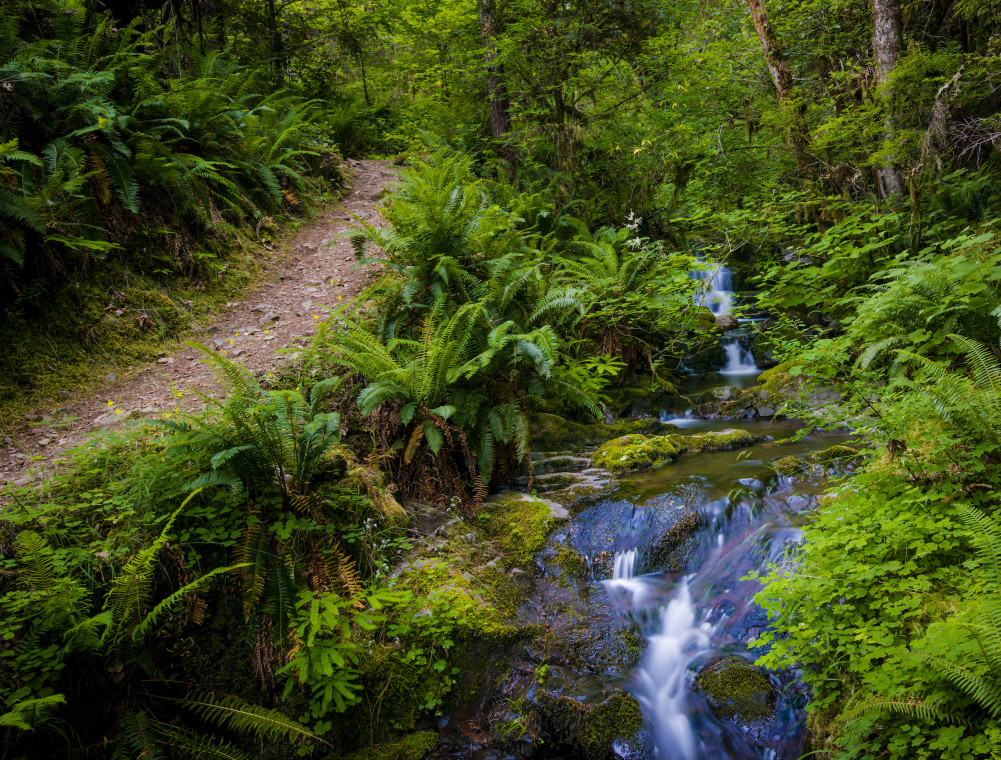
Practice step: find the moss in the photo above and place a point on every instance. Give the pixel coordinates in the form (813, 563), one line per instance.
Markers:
(553, 433)
(617, 718)
(725, 440)
(788, 466)
(635, 452)
(367, 481)
(639, 452)
(571, 562)
(412, 747)
(841, 454)
(519, 523)
(593, 728)
(735, 689)
(775, 386)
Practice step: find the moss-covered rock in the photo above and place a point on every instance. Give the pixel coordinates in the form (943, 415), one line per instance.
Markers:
(571, 562)
(632, 453)
(553, 433)
(724, 440)
(592, 728)
(788, 466)
(635, 452)
(519, 523)
(737, 690)
(839, 455)
(412, 747)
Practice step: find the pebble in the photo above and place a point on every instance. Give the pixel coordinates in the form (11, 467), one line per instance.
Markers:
(268, 318)
(44, 441)
(165, 361)
(111, 377)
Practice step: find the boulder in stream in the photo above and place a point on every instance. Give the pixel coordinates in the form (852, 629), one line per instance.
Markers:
(727, 322)
(737, 691)
(632, 453)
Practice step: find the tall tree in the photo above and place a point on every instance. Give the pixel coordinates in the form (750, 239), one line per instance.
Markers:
(887, 41)
(782, 77)
(500, 103)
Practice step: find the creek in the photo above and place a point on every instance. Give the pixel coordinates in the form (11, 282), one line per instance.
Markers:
(661, 605)
(700, 610)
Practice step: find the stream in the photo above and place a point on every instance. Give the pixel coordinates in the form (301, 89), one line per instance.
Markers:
(660, 603)
(701, 610)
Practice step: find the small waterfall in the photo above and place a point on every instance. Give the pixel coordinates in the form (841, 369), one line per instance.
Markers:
(719, 299)
(685, 419)
(739, 361)
(662, 677)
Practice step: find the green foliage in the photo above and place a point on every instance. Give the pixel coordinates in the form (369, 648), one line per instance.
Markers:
(103, 134)
(260, 438)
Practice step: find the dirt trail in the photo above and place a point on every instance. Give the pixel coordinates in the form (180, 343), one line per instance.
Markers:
(282, 308)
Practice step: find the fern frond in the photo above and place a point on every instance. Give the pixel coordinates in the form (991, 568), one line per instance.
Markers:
(232, 713)
(30, 714)
(910, 708)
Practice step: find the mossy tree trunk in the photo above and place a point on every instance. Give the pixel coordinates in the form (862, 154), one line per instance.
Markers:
(782, 78)
(887, 42)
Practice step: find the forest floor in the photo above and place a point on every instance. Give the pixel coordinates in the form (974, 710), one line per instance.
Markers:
(312, 270)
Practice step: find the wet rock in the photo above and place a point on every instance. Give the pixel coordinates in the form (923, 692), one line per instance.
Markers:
(558, 463)
(752, 486)
(717, 402)
(736, 690)
(635, 452)
(727, 322)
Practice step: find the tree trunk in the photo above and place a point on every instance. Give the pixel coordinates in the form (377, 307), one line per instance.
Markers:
(782, 78)
(500, 104)
(887, 41)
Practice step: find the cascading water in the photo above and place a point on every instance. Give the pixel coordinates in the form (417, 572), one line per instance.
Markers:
(662, 681)
(718, 297)
(739, 361)
(703, 611)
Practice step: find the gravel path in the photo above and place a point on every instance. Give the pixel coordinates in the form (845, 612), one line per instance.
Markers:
(277, 313)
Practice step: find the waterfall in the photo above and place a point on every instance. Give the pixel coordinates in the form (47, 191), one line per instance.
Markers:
(686, 419)
(719, 299)
(662, 677)
(739, 361)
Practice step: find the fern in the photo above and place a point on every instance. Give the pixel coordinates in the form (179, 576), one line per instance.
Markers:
(30, 714)
(234, 714)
